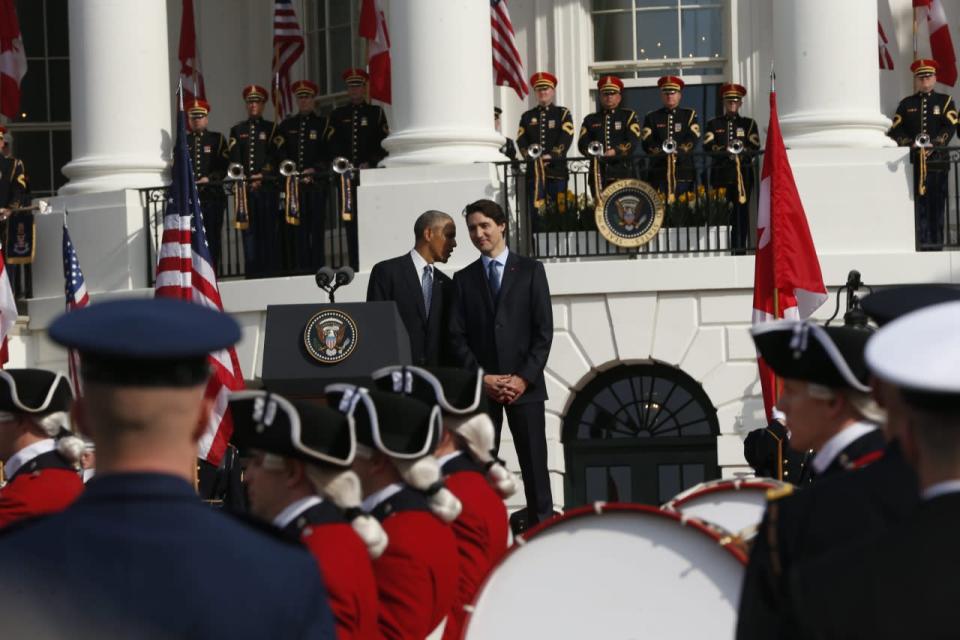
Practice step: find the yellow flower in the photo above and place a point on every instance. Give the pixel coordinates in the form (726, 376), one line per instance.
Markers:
(683, 197)
(701, 190)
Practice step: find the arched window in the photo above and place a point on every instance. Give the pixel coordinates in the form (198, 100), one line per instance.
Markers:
(639, 433)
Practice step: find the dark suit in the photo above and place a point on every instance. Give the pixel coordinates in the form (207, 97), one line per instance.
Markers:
(510, 335)
(397, 280)
(901, 584)
(821, 516)
(139, 555)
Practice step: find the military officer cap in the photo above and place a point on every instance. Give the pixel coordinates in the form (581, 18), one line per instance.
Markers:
(355, 77)
(924, 67)
(543, 79)
(398, 426)
(34, 391)
(159, 342)
(292, 428)
(304, 89)
(254, 93)
(801, 350)
(457, 391)
(610, 84)
(670, 84)
(889, 304)
(920, 353)
(733, 91)
(198, 108)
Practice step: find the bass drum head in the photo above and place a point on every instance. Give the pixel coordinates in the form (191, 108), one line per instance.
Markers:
(612, 571)
(734, 505)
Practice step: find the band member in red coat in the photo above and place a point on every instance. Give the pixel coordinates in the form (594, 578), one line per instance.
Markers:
(471, 473)
(298, 478)
(41, 470)
(417, 574)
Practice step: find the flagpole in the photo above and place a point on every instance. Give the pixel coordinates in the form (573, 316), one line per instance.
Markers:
(915, 48)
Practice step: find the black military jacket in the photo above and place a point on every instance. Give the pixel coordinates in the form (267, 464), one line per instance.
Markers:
(13, 182)
(254, 145)
(208, 153)
(681, 124)
(720, 132)
(617, 129)
(769, 453)
(551, 128)
(932, 113)
(303, 140)
(356, 132)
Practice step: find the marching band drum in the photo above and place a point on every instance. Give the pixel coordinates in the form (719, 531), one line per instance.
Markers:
(615, 571)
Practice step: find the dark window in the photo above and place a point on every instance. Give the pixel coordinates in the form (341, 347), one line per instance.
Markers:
(639, 433)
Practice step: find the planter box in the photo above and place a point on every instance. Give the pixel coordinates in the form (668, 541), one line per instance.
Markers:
(703, 240)
(558, 244)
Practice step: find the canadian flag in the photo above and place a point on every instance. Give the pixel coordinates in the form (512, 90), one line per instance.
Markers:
(373, 27)
(941, 44)
(13, 60)
(190, 74)
(787, 282)
(886, 60)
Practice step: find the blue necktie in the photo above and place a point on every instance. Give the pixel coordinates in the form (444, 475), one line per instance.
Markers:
(426, 282)
(493, 278)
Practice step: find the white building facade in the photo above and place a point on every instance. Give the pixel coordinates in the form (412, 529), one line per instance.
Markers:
(628, 332)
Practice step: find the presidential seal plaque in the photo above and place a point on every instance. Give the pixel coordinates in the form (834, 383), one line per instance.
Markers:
(330, 336)
(629, 213)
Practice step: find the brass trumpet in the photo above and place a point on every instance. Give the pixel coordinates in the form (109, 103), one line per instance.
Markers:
(235, 171)
(595, 148)
(288, 168)
(534, 151)
(342, 165)
(923, 141)
(669, 146)
(735, 147)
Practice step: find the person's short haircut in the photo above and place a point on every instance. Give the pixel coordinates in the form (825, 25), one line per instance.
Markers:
(488, 208)
(428, 220)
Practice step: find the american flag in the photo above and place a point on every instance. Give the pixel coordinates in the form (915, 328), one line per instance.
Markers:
(287, 49)
(8, 309)
(185, 271)
(507, 64)
(77, 298)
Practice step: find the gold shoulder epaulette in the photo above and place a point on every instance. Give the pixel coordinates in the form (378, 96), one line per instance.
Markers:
(779, 492)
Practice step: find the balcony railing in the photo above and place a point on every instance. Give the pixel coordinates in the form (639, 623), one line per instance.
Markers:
(700, 221)
(231, 260)
(942, 173)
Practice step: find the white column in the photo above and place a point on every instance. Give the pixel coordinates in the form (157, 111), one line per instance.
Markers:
(828, 83)
(441, 59)
(120, 99)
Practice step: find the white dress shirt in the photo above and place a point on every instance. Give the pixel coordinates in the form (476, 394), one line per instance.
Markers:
(27, 454)
(294, 509)
(838, 443)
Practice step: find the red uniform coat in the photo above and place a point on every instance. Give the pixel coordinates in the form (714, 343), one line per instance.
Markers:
(345, 565)
(45, 484)
(417, 574)
(480, 530)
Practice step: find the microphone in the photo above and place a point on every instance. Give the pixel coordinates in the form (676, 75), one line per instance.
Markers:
(344, 275)
(325, 276)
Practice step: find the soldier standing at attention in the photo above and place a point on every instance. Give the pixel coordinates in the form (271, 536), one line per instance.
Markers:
(302, 135)
(669, 135)
(208, 152)
(252, 146)
(355, 132)
(616, 129)
(926, 119)
(551, 128)
(734, 171)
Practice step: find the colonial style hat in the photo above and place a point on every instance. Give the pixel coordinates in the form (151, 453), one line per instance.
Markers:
(34, 391)
(254, 93)
(669, 84)
(457, 391)
(924, 67)
(610, 84)
(887, 305)
(199, 107)
(292, 428)
(160, 342)
(355, 77)
(304, 89)
(920, 353)
(732, 91)
(801, 350)
(543, 79)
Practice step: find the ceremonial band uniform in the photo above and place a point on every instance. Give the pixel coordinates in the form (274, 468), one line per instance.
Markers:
(208, 152)
(681, 125)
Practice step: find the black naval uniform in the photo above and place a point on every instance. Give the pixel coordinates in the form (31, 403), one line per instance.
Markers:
(252, 144)
(616, 129)
(208, 153)
(303, 143)
(936, 115)
(680, 124)
(550, 127)
(720, 133)
(355, 132)
(769, 453)
(802, 524)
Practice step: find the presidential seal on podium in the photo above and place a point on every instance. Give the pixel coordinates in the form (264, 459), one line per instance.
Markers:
(629, 213)
(330, 336)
